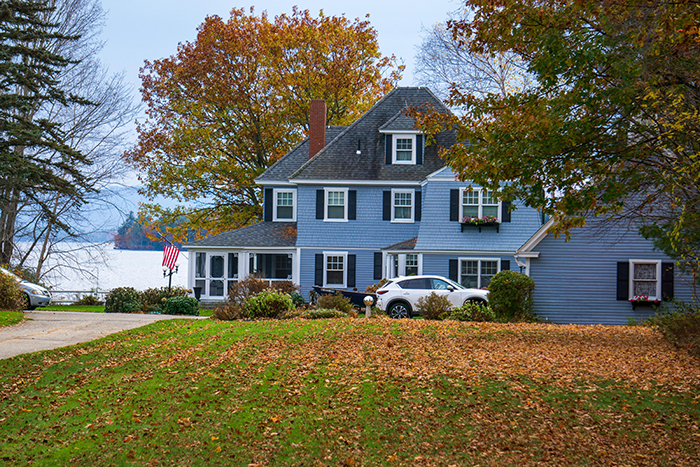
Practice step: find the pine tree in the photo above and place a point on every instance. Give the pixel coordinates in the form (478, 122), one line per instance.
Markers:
(34, 157)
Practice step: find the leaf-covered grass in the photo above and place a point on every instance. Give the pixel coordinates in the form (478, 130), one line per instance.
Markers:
(8, 318)
(354, 392)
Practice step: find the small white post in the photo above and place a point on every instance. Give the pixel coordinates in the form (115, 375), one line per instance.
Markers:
(368, 306)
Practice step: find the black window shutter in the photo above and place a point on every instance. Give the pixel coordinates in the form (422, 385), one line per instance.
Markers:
(453, 270)
(251, 264)
(454, 204)
(505, 211)
(386, 210)
(387, 149)
(623, 280)
(352, 205)
(320, 201)
(505, 265)
(318, 275)
(418, 208)
(666, 281)
(352, 259)
(268, 204)
(232, 265)
(419, 149)
(377, 266)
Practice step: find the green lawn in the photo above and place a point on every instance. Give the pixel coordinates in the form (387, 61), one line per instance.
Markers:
(100, 309)
(354, 392)
(8, 318)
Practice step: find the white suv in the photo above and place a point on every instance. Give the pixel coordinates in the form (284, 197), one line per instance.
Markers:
(399, 296)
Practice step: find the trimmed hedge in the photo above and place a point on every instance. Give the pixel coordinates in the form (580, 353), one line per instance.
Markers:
(510, 296)
(181, 306)
(123, 300)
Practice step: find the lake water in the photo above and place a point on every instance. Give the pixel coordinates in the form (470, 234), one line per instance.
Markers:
(110, 268)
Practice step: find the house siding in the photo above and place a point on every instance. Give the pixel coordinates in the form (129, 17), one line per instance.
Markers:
(368, 230)
(364, 267)
(439, 264)
(437, 232)
(576, 281)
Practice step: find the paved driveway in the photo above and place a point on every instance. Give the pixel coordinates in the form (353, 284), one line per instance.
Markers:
(45, 330)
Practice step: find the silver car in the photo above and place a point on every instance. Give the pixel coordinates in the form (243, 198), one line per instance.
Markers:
(34, 295)
(399, 296)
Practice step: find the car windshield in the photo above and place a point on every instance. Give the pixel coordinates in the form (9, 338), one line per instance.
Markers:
(455, 284)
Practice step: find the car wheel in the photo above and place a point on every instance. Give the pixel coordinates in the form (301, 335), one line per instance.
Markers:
(399, 310)
(27, 303)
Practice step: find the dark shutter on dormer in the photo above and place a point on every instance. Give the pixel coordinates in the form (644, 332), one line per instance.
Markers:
(505, 211)
(320, 200)
(267, 203)
(454, 204)
(377, 266)
(418, 208)
(454, 273)
(386, 205)
(318, 273)
(387, 148)
(623, 280)
(352, 205)
(352, 260)
(666, 281)
(419, 149)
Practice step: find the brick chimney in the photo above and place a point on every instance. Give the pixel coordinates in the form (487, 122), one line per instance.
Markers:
(317, 126)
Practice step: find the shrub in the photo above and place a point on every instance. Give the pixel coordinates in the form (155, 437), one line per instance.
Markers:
(89, 300)
(242, 290)
(473, 311)
(181, 306)
(335, 301)
(679, 322)
(297, 298)
(123, 300)
(287, 287)
(229, 311)
(322, 313)
(268, 304)
(510, 296)
(433, 306)
(154, 298)
(11, 294)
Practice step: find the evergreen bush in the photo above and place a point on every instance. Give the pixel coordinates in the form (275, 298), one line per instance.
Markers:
(268, 304)
(510, 296)
(154, 298)
(433, 306)
(335, 301)
(181, 306)
(473, 311)
(123, 300)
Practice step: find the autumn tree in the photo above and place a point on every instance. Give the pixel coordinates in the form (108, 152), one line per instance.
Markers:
(229, 104)
(36, 157)
(611, 125)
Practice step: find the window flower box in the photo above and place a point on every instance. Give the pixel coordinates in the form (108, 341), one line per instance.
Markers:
(643, 300)
(479, 222)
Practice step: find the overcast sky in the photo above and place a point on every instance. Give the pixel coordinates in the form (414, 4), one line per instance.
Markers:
(139, 30)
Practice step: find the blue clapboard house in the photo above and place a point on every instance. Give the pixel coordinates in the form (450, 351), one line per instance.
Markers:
(351, 205)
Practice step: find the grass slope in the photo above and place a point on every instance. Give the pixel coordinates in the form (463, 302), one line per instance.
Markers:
(8, 318)
(354, 392)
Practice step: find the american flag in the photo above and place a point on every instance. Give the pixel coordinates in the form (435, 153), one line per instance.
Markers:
(170, 254)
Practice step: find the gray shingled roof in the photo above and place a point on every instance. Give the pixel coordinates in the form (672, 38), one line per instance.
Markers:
(399, 122)
(262, 234)
(339, 160)
(281, 170)
(405, 245)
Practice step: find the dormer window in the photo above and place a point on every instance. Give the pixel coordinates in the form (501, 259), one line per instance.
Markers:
(404, 149)
(285, 202)
(477, 203)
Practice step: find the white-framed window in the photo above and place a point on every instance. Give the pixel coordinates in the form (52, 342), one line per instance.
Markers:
(336, 206)
(645, 278)
(402, 205)
(476, 273)
(285, 202)
(479, 202)
(413, 264)
(404, 149)
(335, 271)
